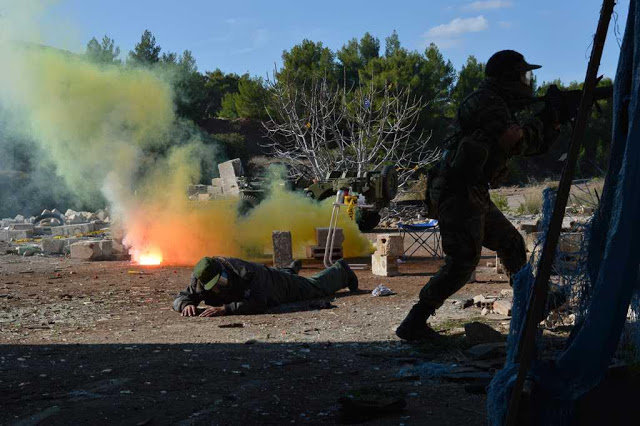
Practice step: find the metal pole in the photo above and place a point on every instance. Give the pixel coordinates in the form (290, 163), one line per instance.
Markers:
(538, 298)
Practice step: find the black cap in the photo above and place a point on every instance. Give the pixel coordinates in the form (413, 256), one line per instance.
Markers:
(507, 65)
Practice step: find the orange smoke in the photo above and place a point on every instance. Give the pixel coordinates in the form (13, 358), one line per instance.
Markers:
(182, 232)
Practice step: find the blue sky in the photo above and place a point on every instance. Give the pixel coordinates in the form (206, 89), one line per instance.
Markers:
(250, 35)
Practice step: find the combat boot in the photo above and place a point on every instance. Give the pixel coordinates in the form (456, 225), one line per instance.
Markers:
(352, 278)
(414, 326)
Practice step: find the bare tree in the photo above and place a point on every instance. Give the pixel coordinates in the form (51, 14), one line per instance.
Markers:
(317, 128)
(301, 132)
(380, 128)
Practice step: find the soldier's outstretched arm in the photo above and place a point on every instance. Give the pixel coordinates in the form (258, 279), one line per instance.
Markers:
(187, 297)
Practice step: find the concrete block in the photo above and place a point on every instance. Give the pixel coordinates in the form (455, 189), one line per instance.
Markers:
(502, 307)
(69, 212)
(76, 218)
(570, 242)
(216, 182)
(106, 246)
(317, 252)
(9, 234)
(530, 226)
(390, 245)
(384, 266)
(21, 227)
(19, 218)
(53, 245)
(231, 188)
(68, 242)
(204, 197)
(282, 249)
(215, 191)
(118, 248)
(323, 233)
(91, 250)
(196, 189)
(87, 250)
(230, 169)
(72, 230)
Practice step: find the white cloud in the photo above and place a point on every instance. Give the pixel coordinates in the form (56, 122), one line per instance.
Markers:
(450, 34)
(487, 4)
(458, 27)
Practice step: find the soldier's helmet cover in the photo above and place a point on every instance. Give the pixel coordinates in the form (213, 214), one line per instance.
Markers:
(208, 271)
(508, 66)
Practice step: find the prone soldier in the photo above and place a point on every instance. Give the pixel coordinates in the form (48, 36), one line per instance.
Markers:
(237, 287)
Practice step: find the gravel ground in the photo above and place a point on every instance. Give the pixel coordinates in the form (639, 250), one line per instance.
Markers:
(98, 342)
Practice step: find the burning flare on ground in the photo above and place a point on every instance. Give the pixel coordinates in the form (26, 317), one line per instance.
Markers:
(148, 256)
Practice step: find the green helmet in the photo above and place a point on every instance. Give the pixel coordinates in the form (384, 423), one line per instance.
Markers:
(208, 271)
(509, 66)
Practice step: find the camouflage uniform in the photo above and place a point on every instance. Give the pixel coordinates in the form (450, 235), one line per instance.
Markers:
(486, 136)
(253, 288)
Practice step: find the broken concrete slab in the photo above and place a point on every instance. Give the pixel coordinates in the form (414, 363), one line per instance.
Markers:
(229, 173)
(478, 332)
(9, 235)
(73, 230)
(502, 307)
(91, 250)
(53, 245)
(216, 182)
(487, 350)
(22, 227)
(282, 249)
(230, 169)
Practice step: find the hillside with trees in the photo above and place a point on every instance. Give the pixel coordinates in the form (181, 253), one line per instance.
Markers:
(361, 68)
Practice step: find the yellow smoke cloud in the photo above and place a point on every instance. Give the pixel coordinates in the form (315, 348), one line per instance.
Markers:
(99, 125)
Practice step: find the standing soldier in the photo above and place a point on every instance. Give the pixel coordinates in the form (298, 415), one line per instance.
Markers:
(486, 136)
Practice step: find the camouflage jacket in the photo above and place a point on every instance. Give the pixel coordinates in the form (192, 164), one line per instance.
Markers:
(487, 134)
(252, 288)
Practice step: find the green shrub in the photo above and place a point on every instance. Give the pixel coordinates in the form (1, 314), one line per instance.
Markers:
(532, 203)
(500, 201)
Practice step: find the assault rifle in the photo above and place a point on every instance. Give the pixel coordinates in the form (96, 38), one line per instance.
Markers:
(565, 102)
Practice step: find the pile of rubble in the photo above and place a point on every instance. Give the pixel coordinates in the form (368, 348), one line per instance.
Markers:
(227, 185)
(402, 213)
(83, 235)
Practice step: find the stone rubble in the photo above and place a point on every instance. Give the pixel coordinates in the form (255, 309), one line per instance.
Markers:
(57, 233)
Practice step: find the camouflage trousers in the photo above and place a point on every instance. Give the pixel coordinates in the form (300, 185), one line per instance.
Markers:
(468, 221)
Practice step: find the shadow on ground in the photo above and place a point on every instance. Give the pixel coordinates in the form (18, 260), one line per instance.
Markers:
(251, 383)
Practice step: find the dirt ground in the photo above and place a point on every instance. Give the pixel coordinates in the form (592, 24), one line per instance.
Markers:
(98, 342)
